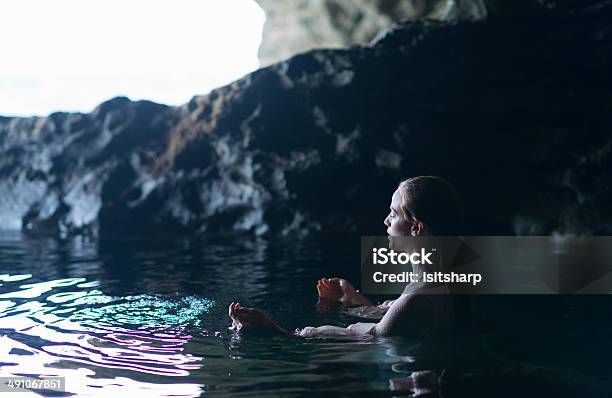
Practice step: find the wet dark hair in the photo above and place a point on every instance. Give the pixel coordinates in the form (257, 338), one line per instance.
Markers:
(433, 201)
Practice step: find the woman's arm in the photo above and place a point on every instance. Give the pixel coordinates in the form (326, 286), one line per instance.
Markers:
(409, 313)
(253, 318)
(356, 329)
(430, 309)
(396, 318)
(401, 315)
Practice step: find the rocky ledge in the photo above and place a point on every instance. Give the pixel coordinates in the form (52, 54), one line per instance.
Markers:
(515, 110)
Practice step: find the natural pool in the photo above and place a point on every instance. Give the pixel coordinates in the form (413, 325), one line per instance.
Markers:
(149, 318)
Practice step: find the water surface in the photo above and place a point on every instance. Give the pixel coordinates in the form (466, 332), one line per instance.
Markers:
(149, 317)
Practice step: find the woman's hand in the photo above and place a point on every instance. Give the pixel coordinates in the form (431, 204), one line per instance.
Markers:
(387, 304)
(336, 289)
(251, 318)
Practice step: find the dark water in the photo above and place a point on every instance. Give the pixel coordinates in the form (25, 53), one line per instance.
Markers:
(149, 318)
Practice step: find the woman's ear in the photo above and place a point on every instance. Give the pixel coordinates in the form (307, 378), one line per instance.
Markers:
(417, 228)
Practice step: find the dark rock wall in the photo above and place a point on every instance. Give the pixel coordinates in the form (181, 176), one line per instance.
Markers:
(516, 112)
(57, 172)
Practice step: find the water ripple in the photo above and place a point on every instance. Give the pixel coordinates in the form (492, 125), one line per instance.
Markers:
(46, 329)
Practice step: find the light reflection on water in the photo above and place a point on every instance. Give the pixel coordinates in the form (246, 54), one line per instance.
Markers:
(67, 333)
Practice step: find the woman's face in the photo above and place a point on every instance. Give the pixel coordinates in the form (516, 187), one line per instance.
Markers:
(395, 222)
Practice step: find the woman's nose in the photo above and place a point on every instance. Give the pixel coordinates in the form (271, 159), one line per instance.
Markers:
(386, 222)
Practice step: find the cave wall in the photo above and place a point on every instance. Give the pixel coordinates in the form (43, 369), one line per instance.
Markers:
(297, 26)
(515, 112)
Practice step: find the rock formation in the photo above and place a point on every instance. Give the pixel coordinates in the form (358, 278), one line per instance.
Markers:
(300, 25)
(516, 112)
(297, 26)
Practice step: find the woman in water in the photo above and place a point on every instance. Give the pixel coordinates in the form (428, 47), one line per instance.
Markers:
(420, 206)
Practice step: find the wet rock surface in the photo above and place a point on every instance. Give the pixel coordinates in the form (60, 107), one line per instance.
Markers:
(516, 113)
